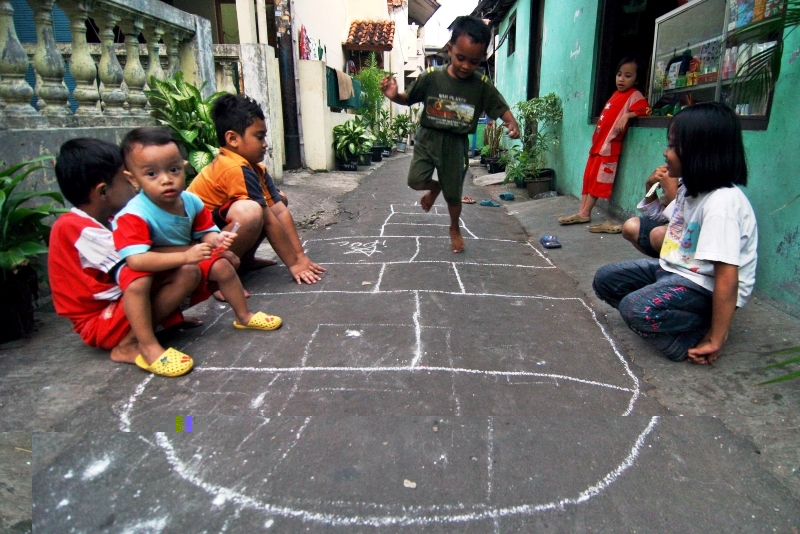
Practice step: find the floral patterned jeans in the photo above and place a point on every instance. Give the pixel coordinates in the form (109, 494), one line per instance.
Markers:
(670, 311)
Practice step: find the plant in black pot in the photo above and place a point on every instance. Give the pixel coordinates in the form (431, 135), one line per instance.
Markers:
(516, 165)
(349, 140)
(491, 139)
(382, 130)
(23, 238)
(538, 118)
(401, 127)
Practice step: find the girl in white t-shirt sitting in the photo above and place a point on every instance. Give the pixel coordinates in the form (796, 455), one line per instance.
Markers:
(683, 303)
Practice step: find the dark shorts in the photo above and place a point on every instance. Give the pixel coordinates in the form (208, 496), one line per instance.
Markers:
(646, 225)
(447, 154)
(220, 214)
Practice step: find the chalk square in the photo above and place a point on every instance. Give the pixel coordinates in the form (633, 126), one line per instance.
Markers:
(362, 346)
(523, 340)
(530, 281)
(483, 251)
(420, 276)
(361, 249)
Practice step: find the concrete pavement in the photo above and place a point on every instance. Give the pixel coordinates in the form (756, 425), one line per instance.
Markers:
(412, 389)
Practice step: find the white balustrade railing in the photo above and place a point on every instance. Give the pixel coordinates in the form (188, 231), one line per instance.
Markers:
(110, 78)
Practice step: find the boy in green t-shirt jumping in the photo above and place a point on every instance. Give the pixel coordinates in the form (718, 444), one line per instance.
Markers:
(455, 97)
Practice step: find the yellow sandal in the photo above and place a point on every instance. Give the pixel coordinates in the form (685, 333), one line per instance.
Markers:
(171, 363)
(260, 321)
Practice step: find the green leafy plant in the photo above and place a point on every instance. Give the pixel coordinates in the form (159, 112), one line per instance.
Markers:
(491, 138)
(24, 233)
(788, 376)
(372, 98)
(401, 126)
(23, 238)
(180, 105)
(538, 118)
(516, 163)
(382, 129)
(351, 139)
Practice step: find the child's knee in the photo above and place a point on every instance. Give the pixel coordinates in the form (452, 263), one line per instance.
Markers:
(140, 286)
(630, 229)
(190, 275)
(222, 270)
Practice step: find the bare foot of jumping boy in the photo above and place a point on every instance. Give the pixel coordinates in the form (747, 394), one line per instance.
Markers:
(429, 198)
(456, 240)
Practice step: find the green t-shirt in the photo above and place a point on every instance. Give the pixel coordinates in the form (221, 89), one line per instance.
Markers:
(452, 104)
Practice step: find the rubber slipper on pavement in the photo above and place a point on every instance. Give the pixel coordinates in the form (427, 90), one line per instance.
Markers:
(550, 241)
(574, 219)
(260, 321)
(507, 196)
(467, 200)
(172, 362)
(606, 228)
(490, 203)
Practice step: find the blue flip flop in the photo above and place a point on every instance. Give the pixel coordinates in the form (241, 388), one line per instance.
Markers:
(490, 203)
(550, 241)
(507, 196)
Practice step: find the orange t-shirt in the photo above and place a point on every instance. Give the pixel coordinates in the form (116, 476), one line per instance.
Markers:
(230, 177)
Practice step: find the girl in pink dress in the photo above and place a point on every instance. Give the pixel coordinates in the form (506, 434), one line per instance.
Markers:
(626, 103)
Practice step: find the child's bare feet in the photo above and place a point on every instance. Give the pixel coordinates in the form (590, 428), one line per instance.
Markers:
(126, 351)
(429, 198)
(456, 240)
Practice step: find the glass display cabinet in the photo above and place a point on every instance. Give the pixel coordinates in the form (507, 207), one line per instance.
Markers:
(692, 63)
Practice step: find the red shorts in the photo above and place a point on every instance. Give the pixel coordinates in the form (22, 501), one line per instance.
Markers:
(106, 329)
(204, 289)
(598, 178)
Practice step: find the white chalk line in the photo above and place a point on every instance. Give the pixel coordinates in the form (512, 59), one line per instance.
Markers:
(395, 291)
(458, 277)
(303, 361)
(348, 237)
(412, 260)
(422, 515)
(417, 332)
(125, 414)
(377, 287)
(289, 448)
(414, 367)
(620, 357)
(416, 253)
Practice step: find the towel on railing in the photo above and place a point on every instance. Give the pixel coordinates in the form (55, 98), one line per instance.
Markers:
(345, 85)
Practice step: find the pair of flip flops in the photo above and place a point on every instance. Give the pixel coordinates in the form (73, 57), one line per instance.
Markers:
(490, 203)
(550, 241)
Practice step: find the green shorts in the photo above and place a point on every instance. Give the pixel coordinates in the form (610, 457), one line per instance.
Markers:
(445, 152)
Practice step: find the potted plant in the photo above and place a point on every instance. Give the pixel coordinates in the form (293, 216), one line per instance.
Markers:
(23, 238)
(382, 130)
(401, 127)
(365, 157)
(180, 106)
(516, 164)
(372, 100)
(349, 140)
(538, 118)
(491, 139)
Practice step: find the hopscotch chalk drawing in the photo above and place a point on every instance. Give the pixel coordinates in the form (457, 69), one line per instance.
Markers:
(381, 356)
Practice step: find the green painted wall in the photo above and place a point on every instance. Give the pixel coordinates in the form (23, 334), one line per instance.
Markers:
(512, 70)
(568, 70)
